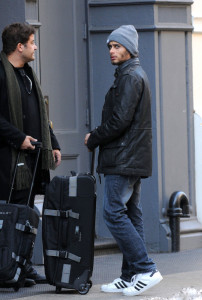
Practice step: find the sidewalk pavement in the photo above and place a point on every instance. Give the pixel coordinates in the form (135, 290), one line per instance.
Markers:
(180, 270)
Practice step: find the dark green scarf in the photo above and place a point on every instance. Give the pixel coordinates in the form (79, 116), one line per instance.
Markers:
(23, 177)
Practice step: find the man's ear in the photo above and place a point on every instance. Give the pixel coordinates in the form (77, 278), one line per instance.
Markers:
(20, 47)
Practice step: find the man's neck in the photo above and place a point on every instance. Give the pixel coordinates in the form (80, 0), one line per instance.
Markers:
(125, 63)
(15, 60)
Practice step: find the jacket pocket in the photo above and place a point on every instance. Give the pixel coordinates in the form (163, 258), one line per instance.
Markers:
(113, 154)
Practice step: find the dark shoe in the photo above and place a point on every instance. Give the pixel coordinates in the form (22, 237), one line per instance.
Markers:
(29, 282)
(31, 273)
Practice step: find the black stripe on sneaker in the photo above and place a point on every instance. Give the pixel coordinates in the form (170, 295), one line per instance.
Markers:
(120, 285)
(139, 285)
(124, 284)
(152, 273)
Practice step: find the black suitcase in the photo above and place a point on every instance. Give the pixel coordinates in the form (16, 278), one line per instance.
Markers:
(68, 223)
(18, 229)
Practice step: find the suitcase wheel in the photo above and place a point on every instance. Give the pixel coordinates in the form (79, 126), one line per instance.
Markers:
(16, 288)
(58, 290)
(84, 288)
(90, 283)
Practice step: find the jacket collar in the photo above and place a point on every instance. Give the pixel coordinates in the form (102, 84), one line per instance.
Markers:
(123, 66)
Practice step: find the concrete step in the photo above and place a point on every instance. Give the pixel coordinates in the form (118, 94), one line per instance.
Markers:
(105, 246)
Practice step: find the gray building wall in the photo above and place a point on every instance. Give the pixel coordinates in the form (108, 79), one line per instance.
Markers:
(10, 15)
(165, 30)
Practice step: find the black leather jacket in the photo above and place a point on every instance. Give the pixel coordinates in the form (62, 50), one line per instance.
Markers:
(125, 134)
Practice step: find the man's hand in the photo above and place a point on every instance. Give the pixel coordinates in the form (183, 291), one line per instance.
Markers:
(27, 143)
(57, 157)
(86, 138)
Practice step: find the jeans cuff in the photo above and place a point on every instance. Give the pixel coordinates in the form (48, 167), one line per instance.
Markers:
(126, 278)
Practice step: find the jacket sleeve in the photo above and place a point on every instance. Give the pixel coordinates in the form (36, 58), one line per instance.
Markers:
(122, 114)
(54, 141)
(10, 134)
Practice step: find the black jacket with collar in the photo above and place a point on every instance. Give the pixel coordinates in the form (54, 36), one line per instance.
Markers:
(125, 133)
(12, 137)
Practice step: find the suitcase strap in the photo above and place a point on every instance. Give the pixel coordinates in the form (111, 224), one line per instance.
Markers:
(61, 213)
(63, 254)
(73, 186)
(19, 259)
(27, 228)
(16, 277)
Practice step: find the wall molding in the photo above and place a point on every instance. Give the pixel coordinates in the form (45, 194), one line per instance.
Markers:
(142, 28)
(133, 2)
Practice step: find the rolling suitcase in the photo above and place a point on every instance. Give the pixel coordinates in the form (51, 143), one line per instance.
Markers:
(68, 222)
(18, 228)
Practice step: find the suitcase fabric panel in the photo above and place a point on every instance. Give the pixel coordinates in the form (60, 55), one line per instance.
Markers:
(18, 230)
(70, 232)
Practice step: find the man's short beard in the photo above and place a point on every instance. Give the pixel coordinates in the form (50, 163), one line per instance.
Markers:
(116, 64)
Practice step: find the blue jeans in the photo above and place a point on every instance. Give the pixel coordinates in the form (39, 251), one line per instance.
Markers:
(123, 216)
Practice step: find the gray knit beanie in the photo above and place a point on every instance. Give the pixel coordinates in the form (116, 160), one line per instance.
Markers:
(127, 36)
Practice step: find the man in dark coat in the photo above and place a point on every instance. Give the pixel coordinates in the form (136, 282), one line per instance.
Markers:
(125, 156)
(23, 119)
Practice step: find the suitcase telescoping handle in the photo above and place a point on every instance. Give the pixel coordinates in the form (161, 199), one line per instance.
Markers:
(92, 162)
(38, 146)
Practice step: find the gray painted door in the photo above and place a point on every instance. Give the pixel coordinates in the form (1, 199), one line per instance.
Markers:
(64, 77)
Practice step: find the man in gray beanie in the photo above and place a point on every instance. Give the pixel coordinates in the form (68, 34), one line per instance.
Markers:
(125, 157)
(127, 36)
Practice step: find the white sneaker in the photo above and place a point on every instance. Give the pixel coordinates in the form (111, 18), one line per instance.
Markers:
(117, 286)
(143, 282)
